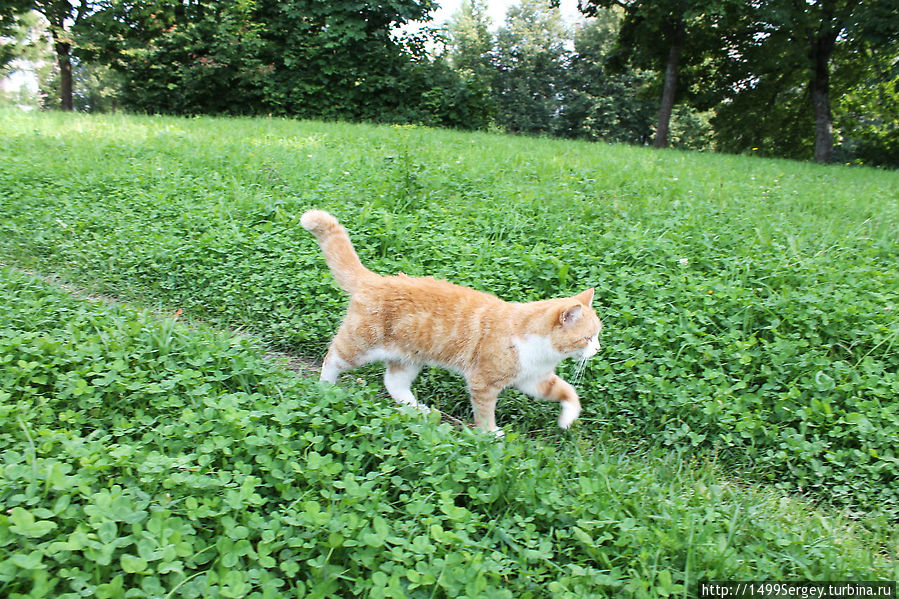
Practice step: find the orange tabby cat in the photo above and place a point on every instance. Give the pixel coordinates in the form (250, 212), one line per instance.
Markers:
(408, 322)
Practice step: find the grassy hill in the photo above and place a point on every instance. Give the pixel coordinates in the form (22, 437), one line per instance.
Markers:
(749, 351)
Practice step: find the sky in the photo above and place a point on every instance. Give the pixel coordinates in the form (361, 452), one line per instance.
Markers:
(497, 10)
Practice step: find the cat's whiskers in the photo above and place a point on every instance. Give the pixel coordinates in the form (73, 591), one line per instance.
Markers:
(579, 370)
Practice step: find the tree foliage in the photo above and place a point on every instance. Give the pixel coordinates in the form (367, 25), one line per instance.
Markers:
(530, 61)
(14, 26)
(671, 39)
(779, 62)
(768, 68)
(197, 57)
(470, 41)
(867, 115)
(303, 58)
(469, 46)
(60, 15)
(542, 83)
(338, 57)
(775, 77)
(604, 103)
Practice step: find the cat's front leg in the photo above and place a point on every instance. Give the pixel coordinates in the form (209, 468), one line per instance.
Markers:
(554, 388)
(483, 404)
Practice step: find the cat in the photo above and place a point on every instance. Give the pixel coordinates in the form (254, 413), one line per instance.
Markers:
(408, 322)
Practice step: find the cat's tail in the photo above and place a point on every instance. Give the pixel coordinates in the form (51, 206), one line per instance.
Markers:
(338, 250)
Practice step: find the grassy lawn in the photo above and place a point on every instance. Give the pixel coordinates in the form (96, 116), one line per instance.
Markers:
(739, 423)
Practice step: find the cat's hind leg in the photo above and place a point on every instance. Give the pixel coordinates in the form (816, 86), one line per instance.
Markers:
(343, 354)
(398, 379)
(333, 366)
(554, 388)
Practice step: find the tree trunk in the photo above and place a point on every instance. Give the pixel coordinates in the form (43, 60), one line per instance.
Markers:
(62, 45)
(64, 61)
(821, 44)
(823, 118)
(669, 90)
(821, 50)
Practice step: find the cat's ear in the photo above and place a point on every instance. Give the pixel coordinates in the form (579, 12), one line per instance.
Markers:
(570, 315)
(585, 297)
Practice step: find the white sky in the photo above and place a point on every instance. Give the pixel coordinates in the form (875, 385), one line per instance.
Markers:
(497, 10)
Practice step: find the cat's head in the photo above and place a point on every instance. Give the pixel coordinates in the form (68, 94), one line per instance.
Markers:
(576, 328)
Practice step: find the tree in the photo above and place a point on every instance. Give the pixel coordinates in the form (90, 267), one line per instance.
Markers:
(193, 57)
(601, 104)
(13, 32)
(778, 66)
(470, 41)
(62, 16)
(824, 25)
(469, 46)
(443, 97)
(332, 59)
(867, 113)
(530, 60)
(340, 58)
(673, 39)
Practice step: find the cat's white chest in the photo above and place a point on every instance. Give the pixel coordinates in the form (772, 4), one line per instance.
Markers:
(536, 355)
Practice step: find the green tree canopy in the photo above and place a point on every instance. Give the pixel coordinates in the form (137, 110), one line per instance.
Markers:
(12, 38)
(61, 15)
(21, 38)
(867, 114)
(673, 40)
(778, 67)
(333, 59)
(470, 41)
(602, 103)
(530, 60)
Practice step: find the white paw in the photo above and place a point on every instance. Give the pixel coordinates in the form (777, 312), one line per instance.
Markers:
(414, 405)
(500, 433)
(569, 414)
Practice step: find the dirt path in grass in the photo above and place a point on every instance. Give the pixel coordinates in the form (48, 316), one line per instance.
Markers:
(303, 366)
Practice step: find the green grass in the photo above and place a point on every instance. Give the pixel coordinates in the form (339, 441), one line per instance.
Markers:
(750, 305)
(142, 458)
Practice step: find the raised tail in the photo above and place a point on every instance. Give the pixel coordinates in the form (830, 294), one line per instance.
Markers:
(338, 250)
